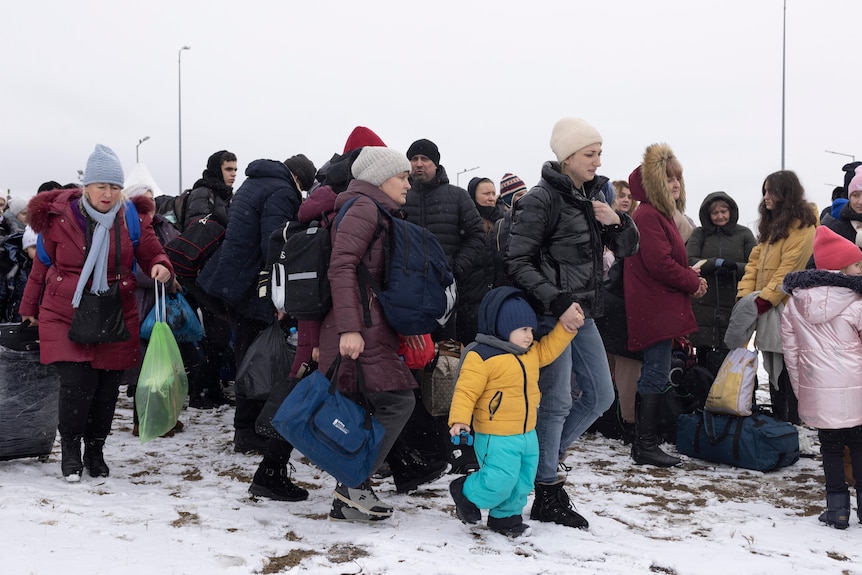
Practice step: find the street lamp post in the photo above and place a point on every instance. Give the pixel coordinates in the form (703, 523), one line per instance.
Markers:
(464, 171)
(180, 109)
(137, 154)
(783, 76)
(851, 156)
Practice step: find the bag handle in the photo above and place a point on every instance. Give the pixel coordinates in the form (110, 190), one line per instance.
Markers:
(331, 375)
(161, 311)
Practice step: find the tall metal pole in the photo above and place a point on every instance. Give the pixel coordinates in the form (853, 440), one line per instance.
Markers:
(783, 76)
(180, 110)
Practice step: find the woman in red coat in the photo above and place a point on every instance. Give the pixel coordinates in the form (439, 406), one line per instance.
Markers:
(658, 284)
(89, 374)
(381, 176)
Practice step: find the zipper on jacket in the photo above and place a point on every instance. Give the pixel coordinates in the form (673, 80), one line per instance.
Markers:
(526, 395)
(494, 404)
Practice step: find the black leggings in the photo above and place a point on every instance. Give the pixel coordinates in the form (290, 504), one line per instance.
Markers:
(87, 399)
(832, 443)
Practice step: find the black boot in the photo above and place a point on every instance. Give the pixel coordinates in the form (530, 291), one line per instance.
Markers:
(512, 526)
(410, 469)
(94, 458)
(70, 464)
(247, 441)
(859, 505)
(645, 449)
(629, 433)
(837, 512)
(216, 395)
(465, 509)
(552, 505)
(273, 482)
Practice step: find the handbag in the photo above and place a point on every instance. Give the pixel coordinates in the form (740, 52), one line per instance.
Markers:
(333, 432)
(181, 318)
(267, 361)
(163, 384)
(99, 317)
(732, 392)
(438, 380)
(190, 250)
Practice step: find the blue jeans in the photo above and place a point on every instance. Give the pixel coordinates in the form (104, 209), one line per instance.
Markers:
(656, 368)
(562, 418)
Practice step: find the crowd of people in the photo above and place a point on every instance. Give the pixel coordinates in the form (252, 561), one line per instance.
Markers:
(570, 293)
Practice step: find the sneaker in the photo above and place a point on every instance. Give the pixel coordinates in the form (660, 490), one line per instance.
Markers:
(341, 511)
(465, 509)
(363, 498)
(513, 526)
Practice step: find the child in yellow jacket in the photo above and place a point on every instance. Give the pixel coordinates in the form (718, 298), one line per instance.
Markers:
(498, 391)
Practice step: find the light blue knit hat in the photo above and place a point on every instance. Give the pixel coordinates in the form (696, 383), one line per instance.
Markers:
(103, 166)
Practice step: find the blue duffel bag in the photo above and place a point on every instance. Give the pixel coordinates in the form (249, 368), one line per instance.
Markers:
(757, 441)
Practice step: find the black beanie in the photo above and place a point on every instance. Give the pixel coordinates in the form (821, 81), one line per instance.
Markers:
(303, 169)
(425, 147)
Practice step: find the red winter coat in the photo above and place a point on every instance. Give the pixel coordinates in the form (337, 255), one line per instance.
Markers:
(352, 243)
(49, 291)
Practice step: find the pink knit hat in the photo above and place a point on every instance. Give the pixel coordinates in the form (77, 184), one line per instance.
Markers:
(855, 184)
(833, 252)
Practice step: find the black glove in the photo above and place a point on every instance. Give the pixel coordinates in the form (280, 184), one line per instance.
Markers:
(729, 265)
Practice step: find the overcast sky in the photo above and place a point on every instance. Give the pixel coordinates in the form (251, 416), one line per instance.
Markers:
(484, 80)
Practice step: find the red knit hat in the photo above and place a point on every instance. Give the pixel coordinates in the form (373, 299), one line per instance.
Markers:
(833, 252)
(361, 137)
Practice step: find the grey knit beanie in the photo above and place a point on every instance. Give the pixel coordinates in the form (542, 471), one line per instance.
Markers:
(104, 167)
(376, 164)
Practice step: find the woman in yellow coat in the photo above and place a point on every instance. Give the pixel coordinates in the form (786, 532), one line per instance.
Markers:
(785, 235)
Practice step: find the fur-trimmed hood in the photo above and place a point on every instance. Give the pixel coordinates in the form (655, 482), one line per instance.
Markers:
(822, 295)
(43, 206)
(648, 182)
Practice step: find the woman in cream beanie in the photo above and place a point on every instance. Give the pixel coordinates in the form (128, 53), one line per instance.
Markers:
(559, 232)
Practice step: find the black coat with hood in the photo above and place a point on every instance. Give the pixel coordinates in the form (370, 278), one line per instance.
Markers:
(555, 247)
(731, 242)
(209, 195)
(448, 212)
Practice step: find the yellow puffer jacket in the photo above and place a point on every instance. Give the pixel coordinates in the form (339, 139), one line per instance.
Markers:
(769, 263)
(499, 391)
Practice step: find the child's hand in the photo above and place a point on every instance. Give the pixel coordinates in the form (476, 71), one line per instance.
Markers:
(457, 428)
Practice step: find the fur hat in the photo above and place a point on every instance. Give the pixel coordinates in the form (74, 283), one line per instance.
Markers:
(833, 252)
(648, 182)
(425, 147)
(514, 313)
(16, 206)
(361, 137)
(376, 164)
(303, 169)
(570, 135)
(509, 186)
(855, 183)
(28, 240)
(103, 167)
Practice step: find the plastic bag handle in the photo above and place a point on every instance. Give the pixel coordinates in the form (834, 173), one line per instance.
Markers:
(161, 312)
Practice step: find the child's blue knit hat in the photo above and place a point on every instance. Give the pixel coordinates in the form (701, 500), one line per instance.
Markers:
(514, 313)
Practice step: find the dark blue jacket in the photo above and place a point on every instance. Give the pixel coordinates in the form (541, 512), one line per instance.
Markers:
(267, 199)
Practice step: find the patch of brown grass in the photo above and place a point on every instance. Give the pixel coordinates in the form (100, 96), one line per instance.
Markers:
(289, 561)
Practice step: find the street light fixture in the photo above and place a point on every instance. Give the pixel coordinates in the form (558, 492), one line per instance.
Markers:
(464, 171)
(851, 156)
(180, 109)
(137, 155)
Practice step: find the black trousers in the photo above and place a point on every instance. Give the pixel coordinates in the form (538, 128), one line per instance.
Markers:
(245, 330)
(785, 406)
(88, 398)
(832, 443)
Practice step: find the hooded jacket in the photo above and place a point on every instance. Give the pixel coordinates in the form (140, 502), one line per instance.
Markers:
(496, 389)
(658, 281)
(555, 247)
(48, 295)
(731, 242)
(821, 331)
(209, 195)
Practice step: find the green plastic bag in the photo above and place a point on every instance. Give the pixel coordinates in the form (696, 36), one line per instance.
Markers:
(162, 385)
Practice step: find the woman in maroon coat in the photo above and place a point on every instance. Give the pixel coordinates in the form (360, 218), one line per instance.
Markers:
(658, 284)
(381, 179)
(89, 374)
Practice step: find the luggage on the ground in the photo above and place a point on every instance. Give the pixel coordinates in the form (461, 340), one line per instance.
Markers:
(757, 441)
(29, 396)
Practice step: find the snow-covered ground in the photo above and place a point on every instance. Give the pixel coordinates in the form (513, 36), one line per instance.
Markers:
(180, 506)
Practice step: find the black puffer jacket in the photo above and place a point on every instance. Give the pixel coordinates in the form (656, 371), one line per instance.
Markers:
(449, 213)
(555, 247)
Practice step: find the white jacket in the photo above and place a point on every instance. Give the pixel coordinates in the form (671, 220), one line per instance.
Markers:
(821, 330)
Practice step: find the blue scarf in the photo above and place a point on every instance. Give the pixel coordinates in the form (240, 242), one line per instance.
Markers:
(96, 264)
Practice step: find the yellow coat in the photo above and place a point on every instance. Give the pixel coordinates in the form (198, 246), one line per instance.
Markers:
(499, 391)
(769, 263)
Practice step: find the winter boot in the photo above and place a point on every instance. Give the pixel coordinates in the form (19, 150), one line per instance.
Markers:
(362, 498)
(465, 509)
(273, 482)
(837, 512)
(512, 526)
(410, 469)
(245, 440)
(94, 459)
(70, 464)
(629, 433)
(859, 505)
(216, 394)
(645, 449)
(552, 505)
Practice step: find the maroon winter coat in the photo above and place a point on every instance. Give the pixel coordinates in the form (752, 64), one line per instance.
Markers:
(351, 243)
(56, 215)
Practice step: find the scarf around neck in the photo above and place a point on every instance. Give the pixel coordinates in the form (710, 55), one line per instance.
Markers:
(96, 264)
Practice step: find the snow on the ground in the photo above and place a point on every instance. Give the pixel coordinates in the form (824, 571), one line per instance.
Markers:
(180, 506)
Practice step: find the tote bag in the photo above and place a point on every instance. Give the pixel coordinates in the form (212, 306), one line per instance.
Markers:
(732, 392)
